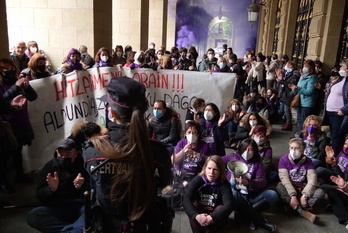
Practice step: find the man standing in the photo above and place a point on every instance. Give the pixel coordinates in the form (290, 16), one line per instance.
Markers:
(165, 125)
(208, 64)
(63, 180)
(19, 57)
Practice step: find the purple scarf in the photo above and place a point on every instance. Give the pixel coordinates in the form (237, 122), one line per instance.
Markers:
(75, 66)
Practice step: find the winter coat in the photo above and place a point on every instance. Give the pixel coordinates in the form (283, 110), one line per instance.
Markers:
(307, 90)
(289, 78)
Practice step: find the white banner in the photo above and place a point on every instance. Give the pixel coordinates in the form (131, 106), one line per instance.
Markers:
(64, 100)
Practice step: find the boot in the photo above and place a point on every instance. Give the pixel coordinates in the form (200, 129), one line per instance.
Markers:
(287, 127)
(268, 226)
(261, 205)
(306, 214)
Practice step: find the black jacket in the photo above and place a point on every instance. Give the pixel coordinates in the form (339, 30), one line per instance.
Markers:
(289, 78)
(66, 192)
(165, 129)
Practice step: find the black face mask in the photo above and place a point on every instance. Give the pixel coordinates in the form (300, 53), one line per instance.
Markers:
(41, 68)
(141, 59)
(333, 73)
(9, 75)
(64, 162)
(183, 57)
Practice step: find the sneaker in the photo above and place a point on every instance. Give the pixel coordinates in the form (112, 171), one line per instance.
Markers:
(268, 226)
(252, 226)
(24, 178)
(347, 226)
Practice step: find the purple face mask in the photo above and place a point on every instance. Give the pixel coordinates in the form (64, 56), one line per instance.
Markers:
(345, 150)
(311, 129)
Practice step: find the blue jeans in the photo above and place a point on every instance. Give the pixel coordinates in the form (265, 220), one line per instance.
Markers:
(60, 219)
(335, 122)
(270, 195)
(231, 126)
(302, 114)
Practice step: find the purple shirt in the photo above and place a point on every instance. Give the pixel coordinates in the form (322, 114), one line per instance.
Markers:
(297, 172)
(342, 161)
(193, 165)
(255, 174)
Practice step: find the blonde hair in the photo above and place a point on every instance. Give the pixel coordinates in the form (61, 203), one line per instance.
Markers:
(220, 165)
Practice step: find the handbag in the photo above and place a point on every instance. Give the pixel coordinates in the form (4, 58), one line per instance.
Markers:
(9, 140)
(295, 101)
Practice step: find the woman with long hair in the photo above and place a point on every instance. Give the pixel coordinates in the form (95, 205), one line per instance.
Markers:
(125, 167)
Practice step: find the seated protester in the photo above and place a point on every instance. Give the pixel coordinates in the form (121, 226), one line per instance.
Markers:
(103, 58)
(260, 107)
(165, 125)
(71, 62)
(118, 59)
(139, 60)
(298, 180)
(247, 125)
(251, 186)
(165, 62)
(195, 112)
(315, 139)
(208, 201)
(208, 63)
(63, 180)
(189, 157)
(266, 153)
(338, 198)
(234, 114)
(183, 63)
(336, 165)
(221, 66)
(250, 99)
(212, 130)
(272, 105)
(36, 67)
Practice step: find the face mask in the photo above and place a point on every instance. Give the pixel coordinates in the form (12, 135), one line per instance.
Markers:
(152, 47)
(140, 59)
(210, 56)
(333, 73)
(9, 74)
(33, 49)
(41, 68)
(159, 56)
(191, 138)
(345, 150)
(252, 94)
(64, 162)
(119, 54)
(157, 113)
(74, 60)
(208, 115)
(252, 123)
(311, 129)
(286, 68)
(104, 58)
(289, 70)
(235, 107)
(317, 69)
(222, 65)
(247, 155)
(183, 57)
(342, 73)
(305, 70)
(110, 116)
(295, 154)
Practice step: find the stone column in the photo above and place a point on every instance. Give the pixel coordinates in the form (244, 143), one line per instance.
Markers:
(268, 14)
(4, 46)
(324, 32)
(157, 22)
(171, 21)
(102, 24)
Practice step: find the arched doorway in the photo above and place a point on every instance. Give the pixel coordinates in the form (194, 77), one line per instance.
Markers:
(219, 33)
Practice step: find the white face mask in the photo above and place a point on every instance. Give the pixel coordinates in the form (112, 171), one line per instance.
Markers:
(110, 116)
(305, 70)
(210, 56)
(33, 49)
(234, 107)
(104, 58)
(119, 54)
(295, 154)
(191, 138)
(159, 56)
(342, 73)
(257, 140)
(252, 123)
(247, 155)
(208, 115)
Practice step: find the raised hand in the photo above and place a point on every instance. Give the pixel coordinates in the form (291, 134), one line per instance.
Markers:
(78, 181)
(53, 181)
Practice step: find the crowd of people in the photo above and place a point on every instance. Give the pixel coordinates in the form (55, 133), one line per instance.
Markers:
(128, 166)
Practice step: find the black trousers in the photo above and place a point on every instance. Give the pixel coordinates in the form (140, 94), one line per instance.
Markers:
(339, 202)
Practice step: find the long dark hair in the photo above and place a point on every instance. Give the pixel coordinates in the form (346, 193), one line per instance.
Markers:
(244, 144)
(133, 156)
(216, 110)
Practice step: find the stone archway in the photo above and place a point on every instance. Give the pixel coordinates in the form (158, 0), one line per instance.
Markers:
(220, 32)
